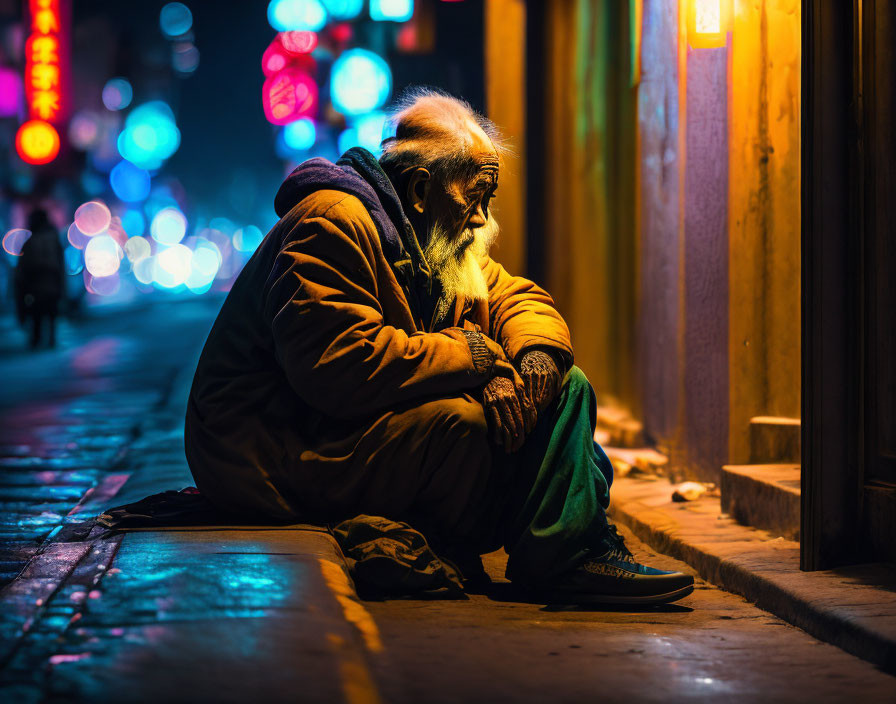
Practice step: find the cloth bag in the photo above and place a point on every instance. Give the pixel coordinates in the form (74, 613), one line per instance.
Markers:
(389, 558)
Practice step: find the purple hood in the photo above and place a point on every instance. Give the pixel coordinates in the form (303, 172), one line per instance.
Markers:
(358, 173)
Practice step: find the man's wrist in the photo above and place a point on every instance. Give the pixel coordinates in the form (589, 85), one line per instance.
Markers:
(483, 357)
(556, 356)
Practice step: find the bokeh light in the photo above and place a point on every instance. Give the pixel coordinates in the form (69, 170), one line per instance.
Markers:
(150, 135)
(168, 226)
(76, 238)
(74, 260)
(247, 239)
(84, 129)
(344, 9)
(360, 82)
(37, 142)
(102, 285)
(274, 58)
(102, 256)
(14, 240)
(175, 19)
(286, 15)
(288, 96)
(117, 94)
(298, 43)
(172, 266)
(137, 248)
(133, 222)
(393, 10)
(129, 182)
(300, 135)
(185, 58)
(92, 218)
(143, 269)
(203, 267)
(369, 129)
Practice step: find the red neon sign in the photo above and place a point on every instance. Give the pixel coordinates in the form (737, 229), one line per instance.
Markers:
(37, 141)
(290, 92)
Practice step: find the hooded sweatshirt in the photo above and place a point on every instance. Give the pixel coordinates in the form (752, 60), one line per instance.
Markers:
(324, 327)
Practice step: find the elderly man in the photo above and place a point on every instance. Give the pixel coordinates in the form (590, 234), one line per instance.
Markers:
(372, 358)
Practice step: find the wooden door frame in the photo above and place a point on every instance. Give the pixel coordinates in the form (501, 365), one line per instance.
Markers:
(832, 286)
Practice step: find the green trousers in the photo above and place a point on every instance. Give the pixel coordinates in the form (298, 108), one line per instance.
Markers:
(559, 486)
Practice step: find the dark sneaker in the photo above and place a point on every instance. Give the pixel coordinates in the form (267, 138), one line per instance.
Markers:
(615, 578)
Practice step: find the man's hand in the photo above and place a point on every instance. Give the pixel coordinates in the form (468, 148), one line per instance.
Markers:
(507, 407)
(541, 377)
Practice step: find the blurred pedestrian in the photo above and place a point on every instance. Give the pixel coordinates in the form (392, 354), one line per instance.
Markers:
(39, 280)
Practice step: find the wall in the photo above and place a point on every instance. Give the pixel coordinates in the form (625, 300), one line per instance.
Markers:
(505, 96)
(764, 216)
(659, 342)
(667, 193)
(589, 185)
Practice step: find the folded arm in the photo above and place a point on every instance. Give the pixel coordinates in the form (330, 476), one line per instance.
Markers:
(523, 317)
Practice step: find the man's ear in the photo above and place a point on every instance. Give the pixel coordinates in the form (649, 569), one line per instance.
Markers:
(418, 189)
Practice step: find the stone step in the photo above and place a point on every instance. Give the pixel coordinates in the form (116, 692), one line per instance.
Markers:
(774, 439)
(763, 496)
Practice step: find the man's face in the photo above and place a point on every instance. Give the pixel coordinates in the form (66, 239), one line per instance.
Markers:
(463, 207)
(461, 230)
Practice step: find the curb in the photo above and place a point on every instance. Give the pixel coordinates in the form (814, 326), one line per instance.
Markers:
(853, 608)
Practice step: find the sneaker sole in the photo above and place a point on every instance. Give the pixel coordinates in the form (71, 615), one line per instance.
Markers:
(591, 598)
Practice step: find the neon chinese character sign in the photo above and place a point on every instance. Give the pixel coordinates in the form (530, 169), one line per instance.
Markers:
(37, 141)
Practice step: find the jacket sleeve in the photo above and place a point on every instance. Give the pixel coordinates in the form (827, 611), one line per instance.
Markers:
(329, 335)
(522, 315)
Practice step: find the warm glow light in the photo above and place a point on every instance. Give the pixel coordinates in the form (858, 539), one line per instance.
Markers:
(37, 142)
(708, 23)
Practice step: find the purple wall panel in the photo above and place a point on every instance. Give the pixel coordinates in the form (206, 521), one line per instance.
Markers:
(706, 263)
(658, 320)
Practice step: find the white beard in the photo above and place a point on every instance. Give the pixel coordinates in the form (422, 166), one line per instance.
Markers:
(458, 268)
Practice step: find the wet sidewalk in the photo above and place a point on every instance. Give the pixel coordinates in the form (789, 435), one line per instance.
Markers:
(85, 612)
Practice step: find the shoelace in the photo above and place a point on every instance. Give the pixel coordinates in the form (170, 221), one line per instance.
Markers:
(619, 551)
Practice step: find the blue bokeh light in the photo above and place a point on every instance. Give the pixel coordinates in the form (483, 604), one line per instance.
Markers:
(370, 130)
(302, 15)
(117, 94)
(129, 182)
(300, 135)
(393, 10)
(150, 135)
(360, 82)
(247, 239)
(344, 9)
(168, 226)
(133, 222)
(175, 19)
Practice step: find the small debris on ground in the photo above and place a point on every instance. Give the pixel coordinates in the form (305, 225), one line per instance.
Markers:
(689, 491)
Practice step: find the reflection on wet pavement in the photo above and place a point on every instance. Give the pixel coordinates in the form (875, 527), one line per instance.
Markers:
(68, 416)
